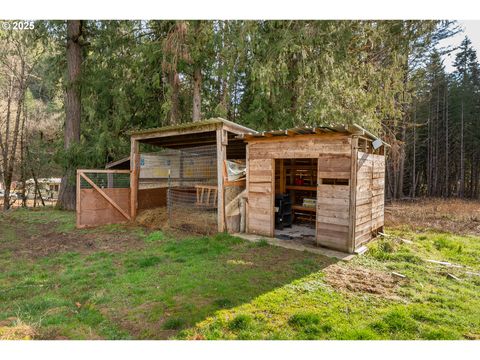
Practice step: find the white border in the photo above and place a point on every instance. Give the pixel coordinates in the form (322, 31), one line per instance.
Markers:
(240, 9)
(232, 350)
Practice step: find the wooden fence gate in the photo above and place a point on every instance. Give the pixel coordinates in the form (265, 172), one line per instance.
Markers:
(103, 197)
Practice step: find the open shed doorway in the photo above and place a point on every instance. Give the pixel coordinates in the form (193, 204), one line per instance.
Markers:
(295, 200)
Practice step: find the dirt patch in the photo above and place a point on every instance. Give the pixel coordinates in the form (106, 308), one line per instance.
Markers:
(452, 215)
(268, 258)
(362, 280)
(46, 242)
(140, 326)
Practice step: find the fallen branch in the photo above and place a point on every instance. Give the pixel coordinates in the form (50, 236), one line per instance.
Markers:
(451, 276)
(405, 241)
(399, 275)
(444, 263)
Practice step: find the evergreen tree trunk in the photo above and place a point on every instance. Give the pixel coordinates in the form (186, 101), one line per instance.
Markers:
(435, 164)
(447, 171)
(401, 162)
(174, 97)
(414, 183)
(429, 153)
(461, 191)
(67, 198)
(197, 93)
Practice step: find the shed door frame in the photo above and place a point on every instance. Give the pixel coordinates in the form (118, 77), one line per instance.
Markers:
(273, 189)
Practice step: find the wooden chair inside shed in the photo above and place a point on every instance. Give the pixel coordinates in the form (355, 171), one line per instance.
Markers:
(206, 196)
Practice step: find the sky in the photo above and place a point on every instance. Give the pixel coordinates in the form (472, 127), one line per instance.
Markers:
(471, 28)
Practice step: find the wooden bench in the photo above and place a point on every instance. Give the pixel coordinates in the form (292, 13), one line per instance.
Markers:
(206, 196)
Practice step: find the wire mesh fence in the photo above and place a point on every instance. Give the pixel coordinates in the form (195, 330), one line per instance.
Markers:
(190, 176)
(109, 180)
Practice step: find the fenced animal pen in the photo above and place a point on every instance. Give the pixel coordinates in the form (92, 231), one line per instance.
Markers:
(190, 165)
(319, 185)
(189, 177)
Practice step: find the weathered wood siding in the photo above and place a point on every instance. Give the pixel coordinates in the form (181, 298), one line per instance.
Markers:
(95, 210)
(260, 197)
(333, 201)
(369, 196)
(297, 147)
(333, 152)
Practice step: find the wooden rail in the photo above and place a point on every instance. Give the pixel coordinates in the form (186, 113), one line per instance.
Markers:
(103, 171)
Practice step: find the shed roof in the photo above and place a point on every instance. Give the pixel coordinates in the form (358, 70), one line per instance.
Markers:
(192, 127)
(353, 129)
(119, 164)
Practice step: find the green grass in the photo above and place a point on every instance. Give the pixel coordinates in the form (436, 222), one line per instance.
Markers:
(156, 290)
(428, 305)
(222, 287)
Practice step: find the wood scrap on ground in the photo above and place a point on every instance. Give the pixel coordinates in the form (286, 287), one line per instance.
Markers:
(405, 241)
(451, 276)
(444, 263)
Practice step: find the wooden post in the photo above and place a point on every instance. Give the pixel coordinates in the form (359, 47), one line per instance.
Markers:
(110, 180)
(272, 200)
(242, 214)
(282, 177)
(221, 156)
(247, 176)
(135, 169)
(353, 195)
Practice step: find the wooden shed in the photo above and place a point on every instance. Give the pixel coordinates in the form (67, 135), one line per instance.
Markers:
(330, 179)
(322, 185)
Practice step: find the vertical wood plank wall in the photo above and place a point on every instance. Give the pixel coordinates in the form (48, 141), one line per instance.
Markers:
(333, 202)
(370, 196)
(260, 197)
(333, 152)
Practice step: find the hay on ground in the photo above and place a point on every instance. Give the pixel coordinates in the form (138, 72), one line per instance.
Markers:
(156, 218)
(188, 219)
(17, 330)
